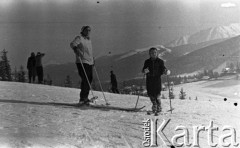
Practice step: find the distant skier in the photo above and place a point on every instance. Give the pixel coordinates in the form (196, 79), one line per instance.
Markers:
(154, 68)
(39, 67)
(82, 47)
(114, 82)
(31, 66)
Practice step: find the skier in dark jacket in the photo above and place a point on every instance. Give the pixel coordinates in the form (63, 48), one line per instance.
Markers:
(39, 67)
(114, 82)
(31, 66)
(154, 68)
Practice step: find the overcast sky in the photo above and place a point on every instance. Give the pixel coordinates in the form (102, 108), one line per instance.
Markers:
(117, 25)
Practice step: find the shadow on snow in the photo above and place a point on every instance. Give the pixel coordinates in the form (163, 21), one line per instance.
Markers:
(66, 105)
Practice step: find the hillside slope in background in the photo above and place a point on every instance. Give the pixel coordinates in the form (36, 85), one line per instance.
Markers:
(209, 57)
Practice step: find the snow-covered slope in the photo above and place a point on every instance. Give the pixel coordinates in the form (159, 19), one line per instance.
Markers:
(39, 116)
(214, 33)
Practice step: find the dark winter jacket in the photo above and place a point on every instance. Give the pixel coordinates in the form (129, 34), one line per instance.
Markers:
(156, 67)
(39, 60)
(31, 63)
(153, 82)
(113, 80)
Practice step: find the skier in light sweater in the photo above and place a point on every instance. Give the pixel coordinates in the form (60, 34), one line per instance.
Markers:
(82, 47)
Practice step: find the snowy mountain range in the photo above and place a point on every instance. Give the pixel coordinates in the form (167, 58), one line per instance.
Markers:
(210, 57)
(214, 33)
(207, 49)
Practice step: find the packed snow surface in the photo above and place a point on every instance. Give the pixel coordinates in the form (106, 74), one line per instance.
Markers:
(36, 116)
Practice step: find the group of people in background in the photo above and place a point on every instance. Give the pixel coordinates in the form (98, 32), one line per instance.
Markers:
(35, 67)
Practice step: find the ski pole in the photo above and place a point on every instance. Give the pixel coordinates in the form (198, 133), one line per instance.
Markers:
(100, 85)
(139, 92)
(87, 77)
(169, 95)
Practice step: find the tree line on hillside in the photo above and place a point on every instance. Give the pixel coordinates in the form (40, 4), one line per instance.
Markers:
(5, 68)
(6, 73)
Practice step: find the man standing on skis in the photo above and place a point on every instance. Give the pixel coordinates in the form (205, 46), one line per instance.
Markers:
(82, 48)
(39, 67)
(31, 66)
(114, 82)
(154, 68)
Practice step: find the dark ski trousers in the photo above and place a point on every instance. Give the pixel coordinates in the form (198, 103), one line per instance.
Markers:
(115, 89)
(156, 101)
(154, 92)
(85, 88)
(40, 74)
(31, 75)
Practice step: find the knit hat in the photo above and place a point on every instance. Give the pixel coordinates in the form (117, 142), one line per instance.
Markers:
(84, 27)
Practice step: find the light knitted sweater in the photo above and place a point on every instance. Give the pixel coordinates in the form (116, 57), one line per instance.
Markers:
(83, 50)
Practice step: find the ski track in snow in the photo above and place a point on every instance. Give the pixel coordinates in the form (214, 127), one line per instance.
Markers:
(30, 119)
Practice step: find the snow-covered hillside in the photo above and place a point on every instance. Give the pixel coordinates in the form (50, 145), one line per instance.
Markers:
(214, 33)
(34, 116)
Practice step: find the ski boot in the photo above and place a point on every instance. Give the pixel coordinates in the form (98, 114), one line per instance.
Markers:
(156, 113)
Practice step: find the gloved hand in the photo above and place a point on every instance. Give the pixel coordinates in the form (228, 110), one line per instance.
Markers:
(76, 51)
(168, 72)
(145, 71)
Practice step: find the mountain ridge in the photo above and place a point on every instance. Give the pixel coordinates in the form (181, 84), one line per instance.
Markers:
(213, 33)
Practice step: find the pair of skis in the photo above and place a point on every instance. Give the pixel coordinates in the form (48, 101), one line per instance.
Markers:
(126, 109)
(159, 113)
(109, 107)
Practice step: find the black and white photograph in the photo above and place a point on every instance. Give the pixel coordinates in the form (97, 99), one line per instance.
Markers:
(119, 73)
